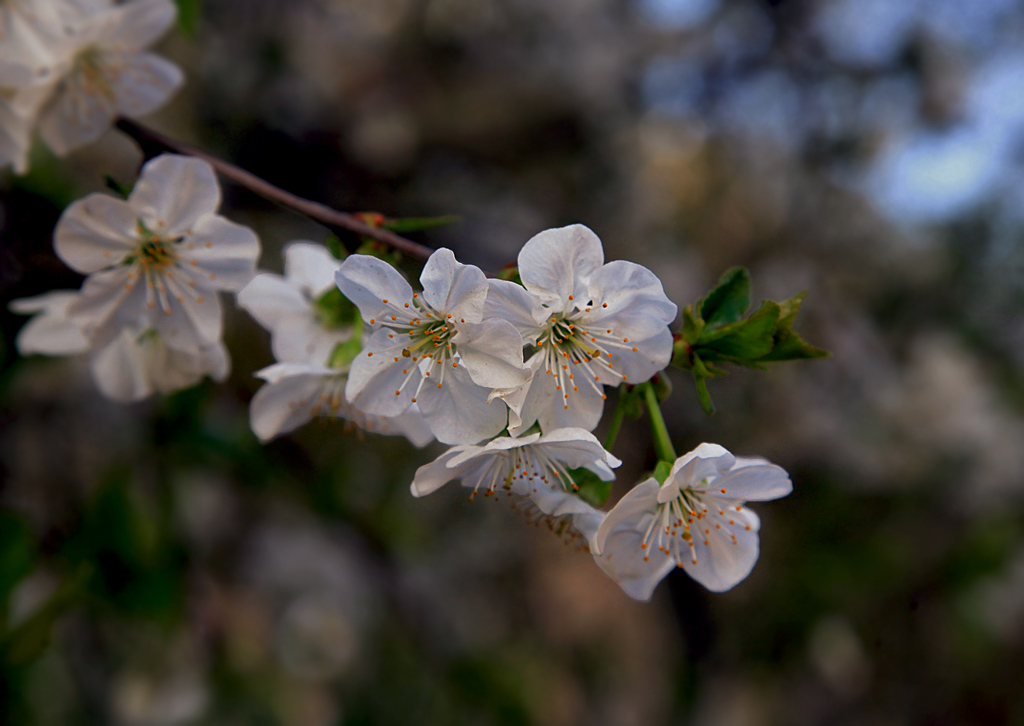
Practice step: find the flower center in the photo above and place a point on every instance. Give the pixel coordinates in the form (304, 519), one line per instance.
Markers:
(88, 71)
(531, 466)
(693, 514)
(573, 346)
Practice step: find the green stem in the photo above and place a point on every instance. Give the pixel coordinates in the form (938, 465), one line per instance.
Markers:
(662, 442)
(617, 417)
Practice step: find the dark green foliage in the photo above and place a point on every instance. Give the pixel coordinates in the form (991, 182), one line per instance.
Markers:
(715, 331)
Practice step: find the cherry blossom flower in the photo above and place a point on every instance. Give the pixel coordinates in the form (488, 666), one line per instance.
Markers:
(535, 466)
(299, 392)
(102, 70)
(594, 324)
(696, 521)
(137, 363)
(434, 349)
(159, 258)
(301, 330)
(131, 367)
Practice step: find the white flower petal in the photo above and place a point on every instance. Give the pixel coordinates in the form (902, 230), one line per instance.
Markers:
(431, 477)
(492, 352)
(368, 281)
(224, 252)
(283, 404)
(173, 192)
(109, 301)
(579, 448)
(304, 339)
(119, 369)
(622, 559)
(558, 263)
(187, 324)
(94, 233)
(375, 375)
(546, 404)
(270, 300)
(51, 331)
(141, 82)
(721, 564)
(310, 267)
(638, 501)
(706, 461)
(509, 301)
(636, 301)
(458, 412)
(140, 23)
(77, 114)
(452, 287)
(755, 481)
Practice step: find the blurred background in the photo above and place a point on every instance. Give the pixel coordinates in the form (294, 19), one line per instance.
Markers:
(158, 566)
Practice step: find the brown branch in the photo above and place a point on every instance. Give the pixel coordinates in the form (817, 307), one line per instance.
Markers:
(153, 143)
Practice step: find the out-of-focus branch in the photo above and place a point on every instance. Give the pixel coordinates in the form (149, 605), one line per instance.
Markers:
(153, 143)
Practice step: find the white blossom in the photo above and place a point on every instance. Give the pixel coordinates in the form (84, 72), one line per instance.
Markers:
(287, 306)
(696, 521)
(594, 324)
(158, 259)
(131, 367)
(101, 70)
(534, 466)
(434, 349)
(296, 393)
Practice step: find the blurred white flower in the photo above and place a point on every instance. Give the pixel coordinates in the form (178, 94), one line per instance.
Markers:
(102, 70)
(535, 466)
(131, 367)
(296, 393)
(293, 308)
(696, 521)
(158, 259)
(434, 349)
(594, 324)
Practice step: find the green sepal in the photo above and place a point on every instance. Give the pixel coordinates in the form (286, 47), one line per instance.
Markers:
(510, 273)
(661, 471)
(592, 489)
(418, 224)
(728, 301)
(788, 345)
(693, 326)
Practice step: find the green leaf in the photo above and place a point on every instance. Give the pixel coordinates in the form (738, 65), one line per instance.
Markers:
(744, 341)
(591, 489)
(417, 224)
(728, 301)
(692, 325)
(188, 16)
(788, 345)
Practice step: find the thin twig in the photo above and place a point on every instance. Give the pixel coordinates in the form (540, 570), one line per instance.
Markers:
(153, 143)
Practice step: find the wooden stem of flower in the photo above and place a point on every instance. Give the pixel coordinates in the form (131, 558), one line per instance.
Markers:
(153, 143)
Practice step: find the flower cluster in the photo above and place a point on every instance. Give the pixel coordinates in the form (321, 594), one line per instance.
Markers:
(70, 67)
(512, 376)
(456, 351)
(148, 312)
